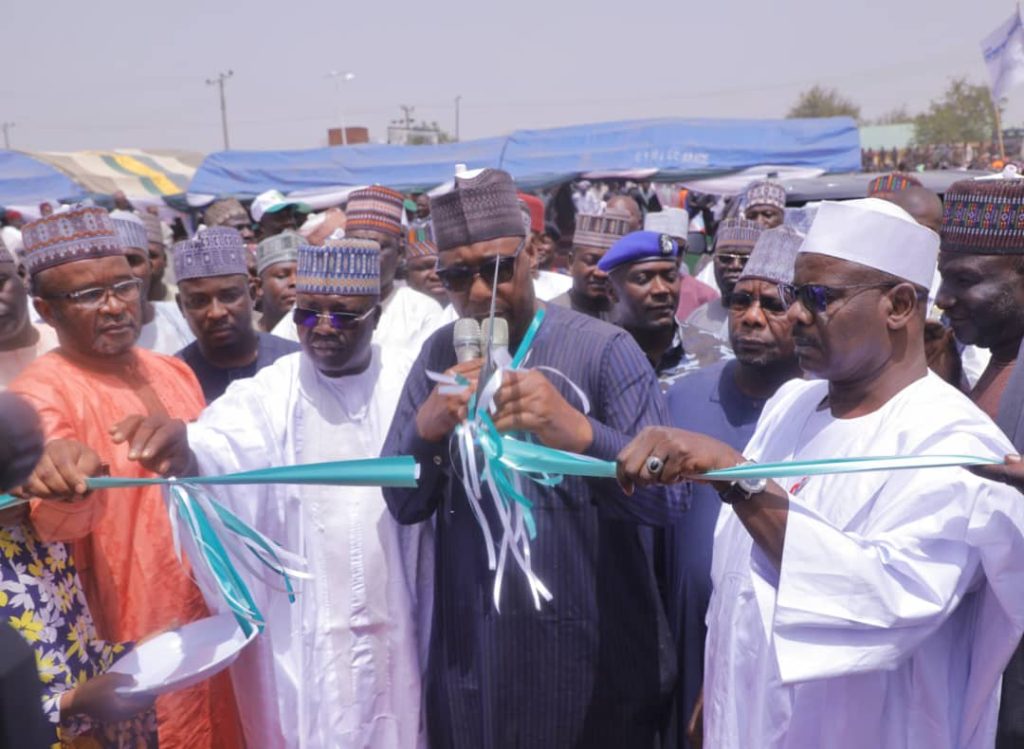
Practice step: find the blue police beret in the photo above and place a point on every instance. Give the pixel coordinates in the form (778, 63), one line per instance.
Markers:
(637, 246)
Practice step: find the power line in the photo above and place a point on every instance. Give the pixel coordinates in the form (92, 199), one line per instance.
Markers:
(7, 134)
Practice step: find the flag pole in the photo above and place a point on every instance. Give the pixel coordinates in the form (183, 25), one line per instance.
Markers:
(999, 127)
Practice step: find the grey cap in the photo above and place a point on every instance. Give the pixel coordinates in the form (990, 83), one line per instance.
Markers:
(774, 255)
(280, 248)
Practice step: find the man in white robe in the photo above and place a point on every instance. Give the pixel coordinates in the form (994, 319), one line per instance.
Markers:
(339, 667)
(868, 609)
(407, 316)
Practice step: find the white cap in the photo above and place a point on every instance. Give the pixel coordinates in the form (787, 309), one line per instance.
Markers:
(875, 233)
(272, 201)
(672, 221)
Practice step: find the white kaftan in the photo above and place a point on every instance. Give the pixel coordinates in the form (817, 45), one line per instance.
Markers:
(339, 668)
(898, 601)
(168, 332)
(408, 317)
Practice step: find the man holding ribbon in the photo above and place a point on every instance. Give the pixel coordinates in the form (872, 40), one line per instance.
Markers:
(338, 667)
(857, 609)
(566, 645)
(82, 285)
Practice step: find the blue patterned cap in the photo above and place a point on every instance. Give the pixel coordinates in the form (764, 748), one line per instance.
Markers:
(216, 251)
(349, 267)
(130, 229)
(637, 247)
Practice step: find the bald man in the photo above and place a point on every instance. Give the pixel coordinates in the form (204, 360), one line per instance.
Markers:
(921, 203)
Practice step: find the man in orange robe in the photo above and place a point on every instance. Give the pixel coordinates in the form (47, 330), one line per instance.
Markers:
(135, 586)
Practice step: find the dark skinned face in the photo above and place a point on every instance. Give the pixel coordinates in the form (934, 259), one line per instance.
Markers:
(421, 275)
(729, 262)
(273, 224)
(157, 261)
(646, 294)
(219, 312)
(13, 303)
(422, 206)
(762, 334)
(515, 300)
(277, 290)
(768, 216)
(109, 329)
(983, 297)
(850, 340)
(138, 261)
(545, 250)
(336, 353)
(243, 226)
(587, 279)
(391, 250)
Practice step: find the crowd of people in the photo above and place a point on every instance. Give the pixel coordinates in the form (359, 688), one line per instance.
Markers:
(816, 604)
(981, 156)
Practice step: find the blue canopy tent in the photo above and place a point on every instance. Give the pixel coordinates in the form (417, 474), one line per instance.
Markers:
(25, 181)
(673, 147)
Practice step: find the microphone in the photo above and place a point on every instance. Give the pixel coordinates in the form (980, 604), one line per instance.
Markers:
(466, 339)
(498, 336)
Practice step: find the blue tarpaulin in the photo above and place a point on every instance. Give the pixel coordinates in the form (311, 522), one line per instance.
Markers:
(672, 146)
(24, 180)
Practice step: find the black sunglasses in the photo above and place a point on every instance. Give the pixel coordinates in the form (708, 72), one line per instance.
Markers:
(741, 301)
(309, 318)
(817, 297)
(459, 278)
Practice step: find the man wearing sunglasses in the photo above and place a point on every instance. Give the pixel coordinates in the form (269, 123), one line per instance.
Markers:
(494, 679)
(83, 285)
(724, 401)
(339, 666)
(856, 609)
(706, 330)
(213, 294)
(407, 316)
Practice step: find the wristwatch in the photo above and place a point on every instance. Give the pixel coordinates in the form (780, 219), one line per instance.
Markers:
(743, 489)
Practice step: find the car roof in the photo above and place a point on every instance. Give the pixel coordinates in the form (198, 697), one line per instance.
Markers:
(855, 184)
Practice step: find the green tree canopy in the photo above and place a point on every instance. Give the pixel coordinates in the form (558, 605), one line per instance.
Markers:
(962, 114)
(819, 101)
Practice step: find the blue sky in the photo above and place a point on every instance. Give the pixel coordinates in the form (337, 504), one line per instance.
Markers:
(112, 74)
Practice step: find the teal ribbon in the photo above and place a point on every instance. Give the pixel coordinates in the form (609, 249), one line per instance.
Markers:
(788, 468)
(399, 471)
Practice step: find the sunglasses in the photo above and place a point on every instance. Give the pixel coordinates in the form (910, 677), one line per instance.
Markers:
(310, 318)
(817, 297)
(728, 258)
(741, 301)
(459, 278)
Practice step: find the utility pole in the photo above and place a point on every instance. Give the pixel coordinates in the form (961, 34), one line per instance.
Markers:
(458, 100)
(407, 114)
(219, 82)
(340, 76)
(7, 134)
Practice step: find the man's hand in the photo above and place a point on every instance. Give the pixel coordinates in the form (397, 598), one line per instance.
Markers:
(159, 443)
(1010, 472)
(682, 454)
(528, 402)
(62, 471)
(99, 699)
(441, 413)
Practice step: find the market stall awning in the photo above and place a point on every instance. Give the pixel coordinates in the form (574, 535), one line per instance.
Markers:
(140, 174)
(25, 180)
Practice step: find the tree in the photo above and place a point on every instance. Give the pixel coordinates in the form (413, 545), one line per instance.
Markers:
(896, 116)
(962, 115)
(819, 101)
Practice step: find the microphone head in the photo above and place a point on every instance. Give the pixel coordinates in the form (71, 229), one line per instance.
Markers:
(466, 339)
(499, 333)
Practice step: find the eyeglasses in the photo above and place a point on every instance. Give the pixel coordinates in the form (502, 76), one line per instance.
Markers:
(310, 318)
(125, 291)
(459, 278)
(741, 301)
(816, 297)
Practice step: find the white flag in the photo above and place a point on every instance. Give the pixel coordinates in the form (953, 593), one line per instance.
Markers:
(1003, 50)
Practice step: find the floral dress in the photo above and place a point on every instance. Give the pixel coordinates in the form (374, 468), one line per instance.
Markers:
(41, 597)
